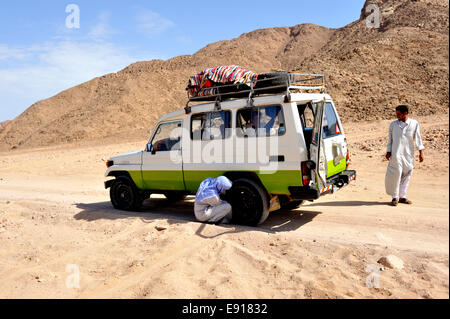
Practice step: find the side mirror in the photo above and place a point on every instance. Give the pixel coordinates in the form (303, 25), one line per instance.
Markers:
(150, 149)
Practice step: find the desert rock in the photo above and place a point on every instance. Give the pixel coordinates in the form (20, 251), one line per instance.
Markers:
(391, 261)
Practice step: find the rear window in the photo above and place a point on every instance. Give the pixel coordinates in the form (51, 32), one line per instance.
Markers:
(306, 116)
(260, 121)
(330, 124)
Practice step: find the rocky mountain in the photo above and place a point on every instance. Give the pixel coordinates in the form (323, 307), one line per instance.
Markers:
(405, 61)
(368, 72)
(3, 125)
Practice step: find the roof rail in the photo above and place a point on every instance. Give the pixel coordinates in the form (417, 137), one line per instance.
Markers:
(282, 82)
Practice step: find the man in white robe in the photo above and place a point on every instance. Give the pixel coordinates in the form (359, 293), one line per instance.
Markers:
(403, 135)
(208, 205)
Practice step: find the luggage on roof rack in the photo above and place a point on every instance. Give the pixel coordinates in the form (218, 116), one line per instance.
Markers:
(202, 88)
(220, 80)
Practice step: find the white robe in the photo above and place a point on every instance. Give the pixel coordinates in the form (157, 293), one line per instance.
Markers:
(402, 137)
(212, 210)
(208, 205)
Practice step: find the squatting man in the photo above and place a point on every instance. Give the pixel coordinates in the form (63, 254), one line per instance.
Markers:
(209, 207)
(403, 134)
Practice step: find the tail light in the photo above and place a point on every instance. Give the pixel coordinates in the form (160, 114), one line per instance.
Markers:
(109, 163)
(348, 158)
(306, 172)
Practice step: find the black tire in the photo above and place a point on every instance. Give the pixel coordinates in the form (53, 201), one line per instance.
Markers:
(249, 201)
(287, 203)
(292, 205)
(125, 195)
(226, 89)
(175, 196)
(233, 89)
(272, 79)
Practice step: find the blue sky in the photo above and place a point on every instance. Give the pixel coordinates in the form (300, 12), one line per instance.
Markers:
(40, 56)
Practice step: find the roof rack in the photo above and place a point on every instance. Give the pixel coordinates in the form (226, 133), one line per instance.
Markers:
(278, 83)
(309, 82)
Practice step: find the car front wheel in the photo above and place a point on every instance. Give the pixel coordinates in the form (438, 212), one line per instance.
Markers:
(124, 195)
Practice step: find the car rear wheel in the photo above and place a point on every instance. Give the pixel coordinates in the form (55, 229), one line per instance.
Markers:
(250, 203)
(125, 195)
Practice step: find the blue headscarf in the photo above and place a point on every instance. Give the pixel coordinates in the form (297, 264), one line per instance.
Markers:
(212, 187)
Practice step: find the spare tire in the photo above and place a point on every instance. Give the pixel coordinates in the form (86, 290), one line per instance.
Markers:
(238, 90)
(274, 79)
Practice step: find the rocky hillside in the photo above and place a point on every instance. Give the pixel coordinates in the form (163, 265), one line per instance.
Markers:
(3, 125)
(368, 71)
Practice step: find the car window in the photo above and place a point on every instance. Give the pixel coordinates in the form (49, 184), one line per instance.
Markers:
(308, 117)
(260, 121)
(210, 126)
(330, 124)
(167, 137)
(198, 122)
(316, 130)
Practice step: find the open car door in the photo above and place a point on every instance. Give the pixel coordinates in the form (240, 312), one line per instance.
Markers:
(317, 154)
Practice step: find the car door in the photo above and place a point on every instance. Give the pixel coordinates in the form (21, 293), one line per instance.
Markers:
(162, 164)
(334, 142)
(210, 134)
(317, 149)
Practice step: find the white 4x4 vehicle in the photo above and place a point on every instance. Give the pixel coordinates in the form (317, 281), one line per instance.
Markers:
(280, 145)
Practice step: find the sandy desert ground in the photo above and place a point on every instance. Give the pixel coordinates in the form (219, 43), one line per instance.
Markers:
(55, 212)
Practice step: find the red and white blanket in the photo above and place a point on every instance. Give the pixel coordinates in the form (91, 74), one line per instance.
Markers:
(203, 84)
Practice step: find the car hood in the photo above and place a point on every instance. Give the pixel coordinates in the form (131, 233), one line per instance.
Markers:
(127, 158)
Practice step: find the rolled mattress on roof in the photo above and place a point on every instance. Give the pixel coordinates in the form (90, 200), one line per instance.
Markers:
(224, 80)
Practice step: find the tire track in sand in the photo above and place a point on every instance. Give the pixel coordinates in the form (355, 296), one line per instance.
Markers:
(117, 286)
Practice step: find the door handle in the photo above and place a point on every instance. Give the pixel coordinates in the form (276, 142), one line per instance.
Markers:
(277, 158)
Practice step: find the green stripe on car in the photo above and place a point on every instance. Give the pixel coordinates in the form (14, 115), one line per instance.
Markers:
(333, 170)
(276, 183)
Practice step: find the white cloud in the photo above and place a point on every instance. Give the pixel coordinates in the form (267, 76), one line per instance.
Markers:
(152, 24)
(53, 67)
(35, 72)
(102, 29)
(7, 53)
(64, 64)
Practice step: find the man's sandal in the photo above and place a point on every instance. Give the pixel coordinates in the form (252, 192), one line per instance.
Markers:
(394, 202)
(405, 201)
